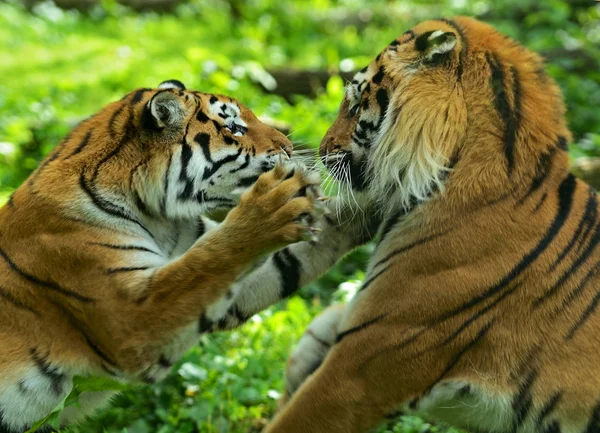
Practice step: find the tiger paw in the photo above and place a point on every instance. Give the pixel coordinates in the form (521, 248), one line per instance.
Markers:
(281, 208)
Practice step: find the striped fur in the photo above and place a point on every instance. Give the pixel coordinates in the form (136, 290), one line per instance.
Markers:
(481, 303)
(107, 260)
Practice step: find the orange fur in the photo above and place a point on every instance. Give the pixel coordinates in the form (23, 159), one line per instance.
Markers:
(480, 301)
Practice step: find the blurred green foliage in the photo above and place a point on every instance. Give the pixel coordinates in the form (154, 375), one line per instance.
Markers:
(60, 66)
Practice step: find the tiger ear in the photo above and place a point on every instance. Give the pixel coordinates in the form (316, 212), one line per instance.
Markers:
(165, 109)
(436, 43)
(172, 84)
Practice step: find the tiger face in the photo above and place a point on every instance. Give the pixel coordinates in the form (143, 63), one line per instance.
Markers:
(174, 153)
(444, 92)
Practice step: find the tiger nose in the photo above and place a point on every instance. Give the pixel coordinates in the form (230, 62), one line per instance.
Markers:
(326, 145)
(285, 145)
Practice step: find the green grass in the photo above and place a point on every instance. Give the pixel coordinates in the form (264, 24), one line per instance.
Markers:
(59, 67)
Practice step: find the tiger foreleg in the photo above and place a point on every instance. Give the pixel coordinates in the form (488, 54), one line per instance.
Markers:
(312, 349)
(285, 271)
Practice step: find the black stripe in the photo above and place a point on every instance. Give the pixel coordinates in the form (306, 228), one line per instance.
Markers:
(217, 125)
(541, 202)
(497, 83)
(82, 145)
(203, 198)
(99, 352)
(17, 303)
(204, 324)
(565, 195)
(593, 425)
(90, 189)
(575, 265)
(580, 287)
(314, 366)
(588, 219)
(562, 143)
(126, 269)
(396, 42)
(378, 77)
(11, 200)
(113, 120)
(464, 45)
(186, 156)
(201, 228)
(391, 221)
(322, 342)
(163, 201)
(245, 164)
(409, 247)
(175, 241)
(480, 335)
(141, 204)
(107, 206)
(525, 363)
(138, 96)
(542, 170)
(523, 400)
(289, 268)
(478, 314)
(515, 120)
(230, 140)
(235, 312)
(146, 378)
(123, 247)
(3, 427)
(422, 41)
(208, 172)
(47, 284)
(553, 427)
(56, 378)
(108, 370)
(548, 408)
(221, 323)
(590, 225)
(164, 362)
(383, 100)
(371, 279)
(201, 116)
(290, 174)
(591, 308)
(247, 181)
(358, 328)
(53, 156)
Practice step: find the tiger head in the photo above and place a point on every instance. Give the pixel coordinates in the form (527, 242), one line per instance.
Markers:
(450, 107)
(168, 152)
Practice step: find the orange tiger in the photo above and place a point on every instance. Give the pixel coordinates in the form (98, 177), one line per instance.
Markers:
(481, 302)
(108, 264)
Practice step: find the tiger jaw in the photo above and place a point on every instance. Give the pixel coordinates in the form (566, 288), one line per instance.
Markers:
(344, 167)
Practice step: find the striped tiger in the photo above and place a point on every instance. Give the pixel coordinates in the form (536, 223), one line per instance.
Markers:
(108, 263)
(481, 301)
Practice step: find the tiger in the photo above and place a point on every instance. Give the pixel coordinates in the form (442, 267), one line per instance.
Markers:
(480, 303)
(110, 264)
